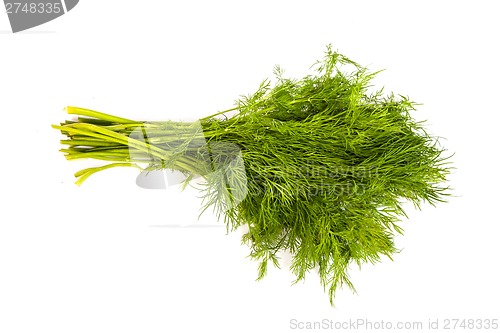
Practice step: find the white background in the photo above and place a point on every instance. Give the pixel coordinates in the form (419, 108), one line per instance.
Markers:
(92, 259)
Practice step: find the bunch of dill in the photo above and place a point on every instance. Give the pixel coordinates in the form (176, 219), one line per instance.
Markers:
(317, 167)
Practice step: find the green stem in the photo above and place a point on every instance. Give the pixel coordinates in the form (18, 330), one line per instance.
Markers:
(98, 132)
(98, 115)
(86, 173)
(219, 113)
(93, 143)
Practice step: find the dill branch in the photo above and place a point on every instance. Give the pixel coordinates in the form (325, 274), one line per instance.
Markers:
(317, 167)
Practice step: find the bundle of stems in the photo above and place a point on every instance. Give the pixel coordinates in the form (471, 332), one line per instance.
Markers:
(318, 167)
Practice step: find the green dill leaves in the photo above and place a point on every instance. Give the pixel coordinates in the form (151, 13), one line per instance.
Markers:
(316, 167)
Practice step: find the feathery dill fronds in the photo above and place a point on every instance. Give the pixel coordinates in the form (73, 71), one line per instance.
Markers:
(316, 166)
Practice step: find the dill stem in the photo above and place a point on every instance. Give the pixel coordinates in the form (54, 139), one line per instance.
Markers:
(219, 113)
(96, 114)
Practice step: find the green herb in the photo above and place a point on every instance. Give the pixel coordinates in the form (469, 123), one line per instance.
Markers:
(318, 167)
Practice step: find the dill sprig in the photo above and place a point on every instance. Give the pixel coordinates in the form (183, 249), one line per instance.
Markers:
(317, 167)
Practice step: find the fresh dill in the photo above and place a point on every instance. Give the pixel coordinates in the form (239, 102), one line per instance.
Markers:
(317, 167)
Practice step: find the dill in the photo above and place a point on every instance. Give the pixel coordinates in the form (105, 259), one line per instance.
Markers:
(318, 166)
